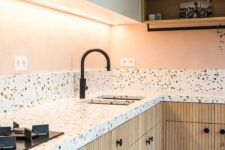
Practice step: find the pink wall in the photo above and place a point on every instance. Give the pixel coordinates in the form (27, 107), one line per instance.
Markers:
(54, 42)
(180, 49)
(51, 40)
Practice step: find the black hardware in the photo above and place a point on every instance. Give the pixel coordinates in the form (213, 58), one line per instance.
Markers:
(28, 135)
(24, 138)
(15, 125)
(7, 143)
(17, 129)
(185, 28)
(41, 129)
(83, 86)
(149, 140)
(5, 131)
(222, 131)
(206, 130)
(119, 143)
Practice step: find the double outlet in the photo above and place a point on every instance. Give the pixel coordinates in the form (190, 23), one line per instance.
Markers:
(21, 63)
(127, 62)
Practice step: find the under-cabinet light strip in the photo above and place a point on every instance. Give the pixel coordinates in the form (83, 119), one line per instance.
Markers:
(70, 11)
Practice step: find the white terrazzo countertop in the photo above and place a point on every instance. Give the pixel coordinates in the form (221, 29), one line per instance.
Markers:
(82, 122)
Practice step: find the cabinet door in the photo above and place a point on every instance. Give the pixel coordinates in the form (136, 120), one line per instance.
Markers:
(190, 112)
(141, 143)
(102, 143)
(150, 141)
(149, 119)
(126, 134)
(189, 136)
(159, 136)
(220, 137)
(133, 130)
(220, 113)
(147, 141)
(219, 126)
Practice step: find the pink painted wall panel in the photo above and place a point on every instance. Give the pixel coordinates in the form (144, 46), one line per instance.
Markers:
(179, 49)
(51, 40)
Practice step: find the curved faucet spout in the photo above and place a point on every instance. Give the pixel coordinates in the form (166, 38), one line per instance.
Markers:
(82, 79)
(91, 51)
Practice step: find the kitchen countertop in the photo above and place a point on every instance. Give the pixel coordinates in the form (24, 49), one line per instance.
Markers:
(83, 123)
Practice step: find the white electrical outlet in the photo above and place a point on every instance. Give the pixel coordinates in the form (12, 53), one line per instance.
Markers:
(21, 63)
(128, 62)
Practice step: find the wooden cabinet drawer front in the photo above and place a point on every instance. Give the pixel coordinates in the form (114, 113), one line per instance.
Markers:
(219, 137)
(147, 141)
(189, 136)
(121, 133)
(220, 113)
(133, 130)
(190, 112)
(102, 143)
(149, 119)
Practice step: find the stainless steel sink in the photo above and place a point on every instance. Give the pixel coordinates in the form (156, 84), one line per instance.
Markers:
(115, 99)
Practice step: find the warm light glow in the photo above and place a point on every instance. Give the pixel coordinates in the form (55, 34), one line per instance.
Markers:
(51, 41)
(72, 11)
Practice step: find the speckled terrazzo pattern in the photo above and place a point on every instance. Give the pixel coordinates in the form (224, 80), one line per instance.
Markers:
(195, 99)
(96, 81)
(22, 91)
(25, 91)
(188, 81)
(83, 123)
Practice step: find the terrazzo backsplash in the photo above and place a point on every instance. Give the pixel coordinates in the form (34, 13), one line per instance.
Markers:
(171, 81)
(28, 90)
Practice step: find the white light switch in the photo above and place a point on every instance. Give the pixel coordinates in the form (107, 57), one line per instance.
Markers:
(21, 63)
(128, 62)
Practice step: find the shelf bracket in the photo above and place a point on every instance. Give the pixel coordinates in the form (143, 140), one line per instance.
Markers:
(184, 28)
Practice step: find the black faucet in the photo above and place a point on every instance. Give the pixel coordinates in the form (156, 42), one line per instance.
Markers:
(83, 86)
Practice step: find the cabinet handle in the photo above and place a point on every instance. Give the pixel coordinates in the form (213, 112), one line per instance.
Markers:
(119, 143)
(222, 131)
(206, 130)
(149, 140)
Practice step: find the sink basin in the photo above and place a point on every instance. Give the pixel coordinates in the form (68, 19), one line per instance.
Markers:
(115, 99)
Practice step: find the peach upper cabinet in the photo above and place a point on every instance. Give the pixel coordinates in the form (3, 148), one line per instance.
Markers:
(107, 11)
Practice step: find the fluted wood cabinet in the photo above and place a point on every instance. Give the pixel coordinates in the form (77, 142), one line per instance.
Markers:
(219, 127)
(220, 113)
(194, 126)
(220, 137)
(102, 143)
(134, 134)
(169, 126)
(189, 136)
(189, 112)
(148, 141)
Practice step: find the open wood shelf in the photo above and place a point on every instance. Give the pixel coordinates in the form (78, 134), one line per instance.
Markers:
(183, 21)
(171, 20)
